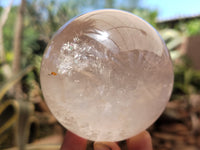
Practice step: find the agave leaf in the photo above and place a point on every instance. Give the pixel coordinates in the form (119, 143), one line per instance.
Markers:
(11, 82)
(169, 33)
(39, 147)
(174, 43)
(175, 54)
(22, 128)
(9, 112)
(20, 114)
(172, 37)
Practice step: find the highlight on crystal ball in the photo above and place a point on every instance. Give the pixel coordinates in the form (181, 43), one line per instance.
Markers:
(106, 75)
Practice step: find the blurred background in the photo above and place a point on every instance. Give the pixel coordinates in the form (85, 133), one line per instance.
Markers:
(26, 26)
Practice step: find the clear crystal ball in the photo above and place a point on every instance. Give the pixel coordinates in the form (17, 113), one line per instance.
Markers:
(106, 75)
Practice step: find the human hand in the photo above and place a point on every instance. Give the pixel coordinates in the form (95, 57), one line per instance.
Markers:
(141, 141)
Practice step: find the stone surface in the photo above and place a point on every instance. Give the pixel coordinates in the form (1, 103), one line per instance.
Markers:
(106, 75)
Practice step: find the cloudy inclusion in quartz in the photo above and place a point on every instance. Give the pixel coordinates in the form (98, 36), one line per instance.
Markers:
(112, 75)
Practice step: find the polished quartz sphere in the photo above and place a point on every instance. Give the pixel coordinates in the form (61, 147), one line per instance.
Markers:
(106, 75)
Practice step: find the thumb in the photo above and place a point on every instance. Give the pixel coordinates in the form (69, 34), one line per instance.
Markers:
(73, 142)
(106, 146)
(141, 141)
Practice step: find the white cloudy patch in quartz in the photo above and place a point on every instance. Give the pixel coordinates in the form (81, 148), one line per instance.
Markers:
(113, 75)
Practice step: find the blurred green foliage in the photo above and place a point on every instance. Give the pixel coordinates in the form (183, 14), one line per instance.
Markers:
(193, 27)
(8, 31)
(149, 16)
(190, 28)
(186, 80)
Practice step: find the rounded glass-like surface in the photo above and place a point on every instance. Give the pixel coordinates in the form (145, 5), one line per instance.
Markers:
(106, 75)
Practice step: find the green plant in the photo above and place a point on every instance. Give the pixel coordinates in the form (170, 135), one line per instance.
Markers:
(187, 80)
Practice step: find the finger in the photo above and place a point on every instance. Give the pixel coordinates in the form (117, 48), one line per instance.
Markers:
(141, 141)
(106, 146)
(73, 142)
